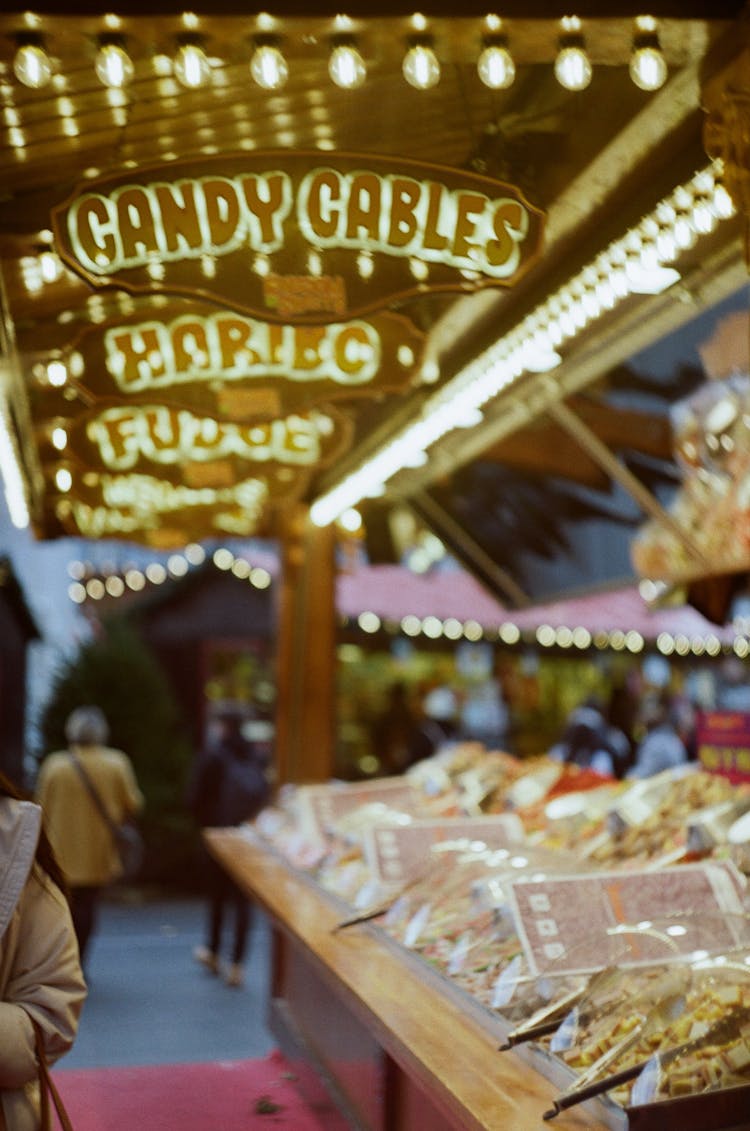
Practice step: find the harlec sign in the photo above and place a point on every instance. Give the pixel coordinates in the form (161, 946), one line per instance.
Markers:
(230, 366)
(277, 234)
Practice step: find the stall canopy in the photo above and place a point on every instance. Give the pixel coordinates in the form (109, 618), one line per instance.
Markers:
(396, 596)
(256, 260)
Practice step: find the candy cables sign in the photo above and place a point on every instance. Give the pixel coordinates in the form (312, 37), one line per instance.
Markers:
(294, 235)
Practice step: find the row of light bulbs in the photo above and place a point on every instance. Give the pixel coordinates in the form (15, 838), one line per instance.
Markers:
(638, 263)
(549, 636)
(115, 585)
(33, 66)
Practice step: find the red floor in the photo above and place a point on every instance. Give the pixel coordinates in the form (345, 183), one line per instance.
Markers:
(245, 1095)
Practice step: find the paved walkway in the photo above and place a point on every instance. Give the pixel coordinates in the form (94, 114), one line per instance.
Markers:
(150, 1003)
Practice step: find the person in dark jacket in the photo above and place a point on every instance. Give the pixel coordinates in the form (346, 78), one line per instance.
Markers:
(229, 786)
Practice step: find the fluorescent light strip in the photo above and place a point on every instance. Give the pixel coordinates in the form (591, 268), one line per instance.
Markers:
(15, 495)
(637, 263)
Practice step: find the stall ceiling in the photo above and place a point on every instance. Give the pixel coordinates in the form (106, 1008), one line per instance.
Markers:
(594, 162)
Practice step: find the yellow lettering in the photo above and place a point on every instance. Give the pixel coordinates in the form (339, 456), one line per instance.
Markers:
(352, 349)
(432, 239)
(269, 210)
(179, 216)
(405, 196)
(222, 212)
(190, 347)
(307, 347)
(92, 233)
(135, 353)
(363, 213)
(136, 223)
(234, 338)
(469, 207)
(510, 223)
(322, 209)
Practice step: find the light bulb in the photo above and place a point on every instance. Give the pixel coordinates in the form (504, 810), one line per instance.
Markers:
(57, 374)
(421, 67)
(113, 65)
(269, 67)
(32, 65)
(572, 65)
(648, 68)
(346, 66)
(63, 479)
(49, 265)
(191, 65)
(495, 66)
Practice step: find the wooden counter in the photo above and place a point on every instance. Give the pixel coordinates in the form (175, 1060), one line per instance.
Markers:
(399, 1048)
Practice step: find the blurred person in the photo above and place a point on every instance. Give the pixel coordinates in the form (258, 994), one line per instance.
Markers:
(229, 786)
(81, 839)
(394, 731)
(41, 984)
(438, 724)
(590, 742)
(733, 691)
(484, 715)
(661, 747)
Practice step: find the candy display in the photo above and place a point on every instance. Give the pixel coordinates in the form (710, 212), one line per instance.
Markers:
(712, 447)
(655, 1008)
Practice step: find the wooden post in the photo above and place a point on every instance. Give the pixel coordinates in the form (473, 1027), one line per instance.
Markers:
(305, 656)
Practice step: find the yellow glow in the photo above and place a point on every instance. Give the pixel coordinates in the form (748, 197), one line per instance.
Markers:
(191, 66)
(346, 66)
(32, 65)
(268, 67)
(421, 68)
(113, 66)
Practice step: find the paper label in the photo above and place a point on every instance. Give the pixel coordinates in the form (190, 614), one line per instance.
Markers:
(576, 924)
(396, 854)
(319, 807)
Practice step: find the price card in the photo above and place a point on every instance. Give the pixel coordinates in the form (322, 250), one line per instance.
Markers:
(396, 854)
(723, 740)
(576, 924)
(319, 807)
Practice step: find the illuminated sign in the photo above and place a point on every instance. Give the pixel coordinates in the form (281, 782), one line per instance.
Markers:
(165, 515)
(189, 448)
(228, 365)
(237, 229)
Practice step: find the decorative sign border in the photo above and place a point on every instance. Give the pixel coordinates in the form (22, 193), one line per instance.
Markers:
(236, 229)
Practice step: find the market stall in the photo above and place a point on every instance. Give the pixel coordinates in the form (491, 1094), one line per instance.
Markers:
(488, 944)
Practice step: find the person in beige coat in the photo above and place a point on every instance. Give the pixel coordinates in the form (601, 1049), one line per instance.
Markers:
(40, 974)
(80, 837)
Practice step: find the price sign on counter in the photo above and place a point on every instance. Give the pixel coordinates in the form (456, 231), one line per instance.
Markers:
(723, 741)
(576, 924)
(395, 854)
(321, 807)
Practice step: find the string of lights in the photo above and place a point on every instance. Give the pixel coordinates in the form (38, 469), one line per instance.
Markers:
(193, 63)
(91, 584)
(640, 262)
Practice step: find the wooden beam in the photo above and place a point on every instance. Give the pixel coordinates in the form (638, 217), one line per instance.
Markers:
(306, 617)
(601, 453)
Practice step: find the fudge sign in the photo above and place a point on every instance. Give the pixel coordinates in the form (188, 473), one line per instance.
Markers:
(298, 235)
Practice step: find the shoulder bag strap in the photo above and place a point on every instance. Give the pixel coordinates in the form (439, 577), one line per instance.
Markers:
(47, 1088)
(94, 792)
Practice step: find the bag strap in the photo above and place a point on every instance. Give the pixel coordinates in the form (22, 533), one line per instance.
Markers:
(47, 1087)
(94, 793)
